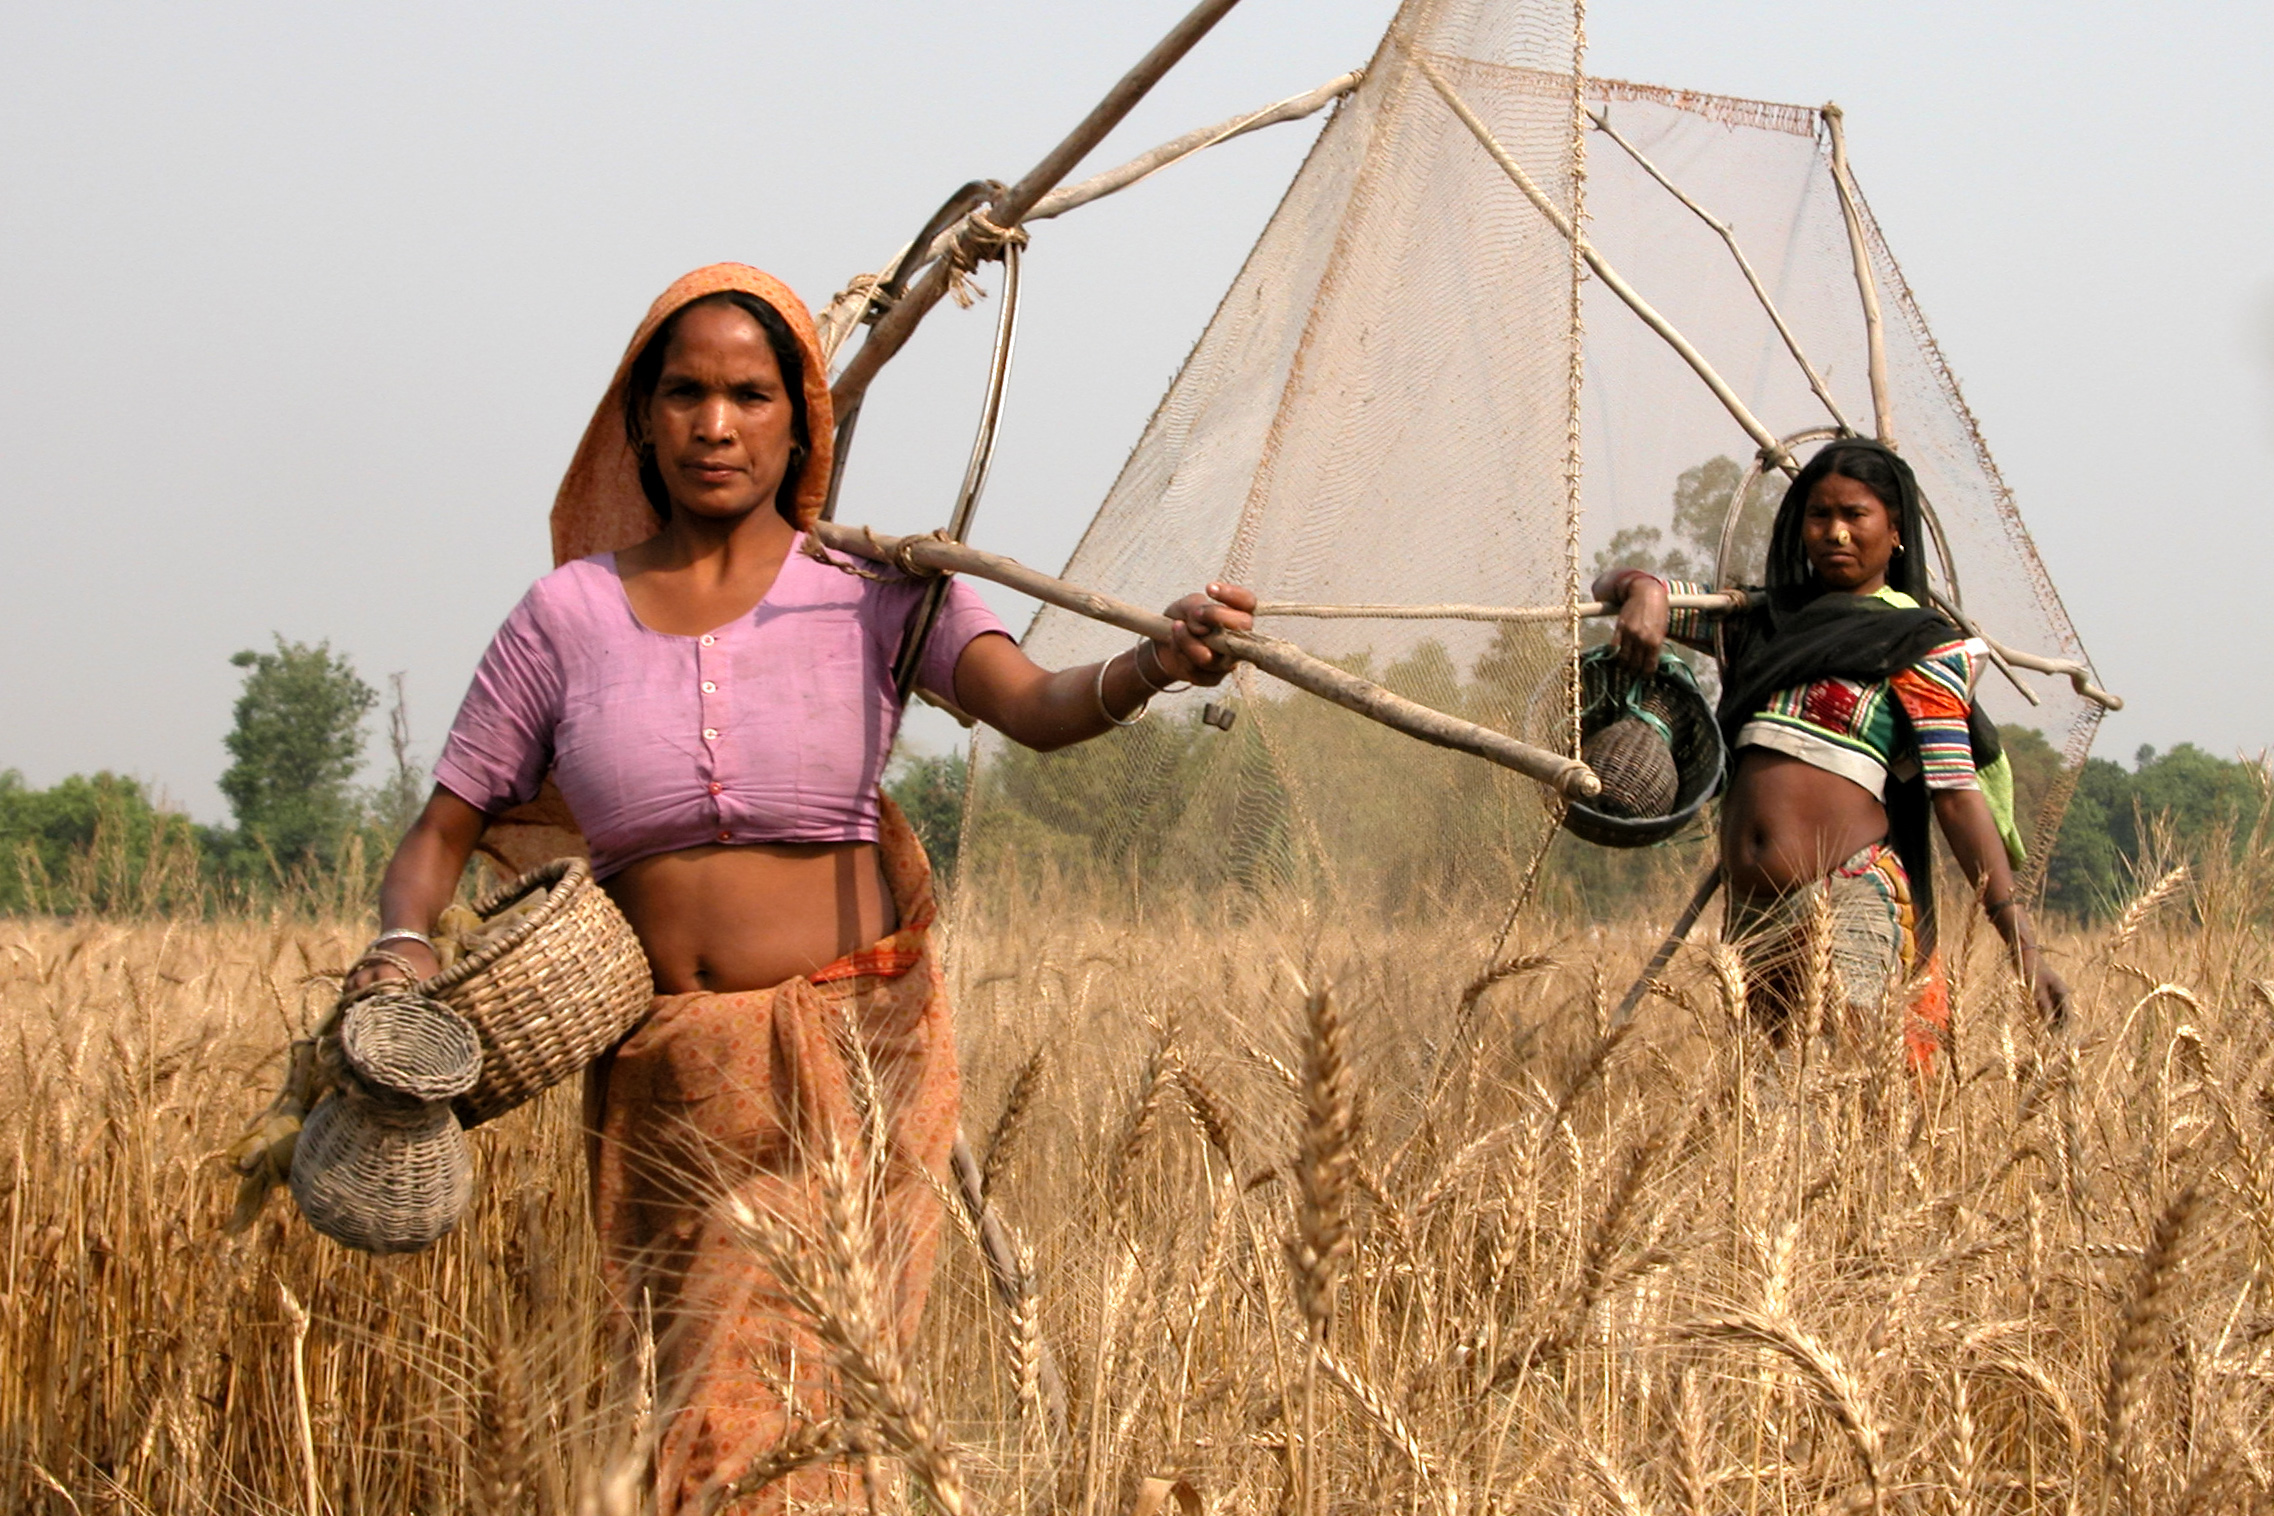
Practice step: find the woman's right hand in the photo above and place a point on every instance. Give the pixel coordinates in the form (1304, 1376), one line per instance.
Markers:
(1640, 631)
(371, 970)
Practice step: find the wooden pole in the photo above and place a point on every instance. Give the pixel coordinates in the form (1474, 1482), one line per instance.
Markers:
(1761, 435)
(1874, 331)
(1008, 1273)
(1098, 186)
(893, 330)
(1674, 938)
(1281, 659)
(2078, 675)
(1719, 600)
(1728, 235)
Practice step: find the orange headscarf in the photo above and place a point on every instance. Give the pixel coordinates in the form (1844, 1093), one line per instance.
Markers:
(600, 508)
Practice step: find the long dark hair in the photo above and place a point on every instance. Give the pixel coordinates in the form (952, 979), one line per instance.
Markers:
(647, 369)
(1877, 469)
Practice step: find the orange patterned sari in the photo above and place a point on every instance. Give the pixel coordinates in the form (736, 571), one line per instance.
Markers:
(720, 1095)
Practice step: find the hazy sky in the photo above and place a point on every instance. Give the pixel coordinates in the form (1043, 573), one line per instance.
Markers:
(303, 307)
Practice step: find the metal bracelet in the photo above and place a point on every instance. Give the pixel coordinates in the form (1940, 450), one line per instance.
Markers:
(1144, 706)
(1170, 688)
(402, 934)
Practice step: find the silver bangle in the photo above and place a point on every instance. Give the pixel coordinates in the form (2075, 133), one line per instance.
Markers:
(1143, 706)
(1170, 688)
(401, 934)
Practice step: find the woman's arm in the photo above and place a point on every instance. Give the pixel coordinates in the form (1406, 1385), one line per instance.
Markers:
(1973, 836)
(420, 880)
(1046, 710)
(1640, 631)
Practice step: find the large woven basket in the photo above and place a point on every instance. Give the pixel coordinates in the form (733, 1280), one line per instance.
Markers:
(379, 1175)
(549, 996)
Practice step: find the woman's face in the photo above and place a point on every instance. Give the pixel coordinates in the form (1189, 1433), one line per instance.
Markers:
(1849, 533)
(721, 420)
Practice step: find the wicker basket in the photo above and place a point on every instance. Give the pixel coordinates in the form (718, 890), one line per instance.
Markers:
(1666, 705)
(404, 1044)
(381, 1176)
(551, 995)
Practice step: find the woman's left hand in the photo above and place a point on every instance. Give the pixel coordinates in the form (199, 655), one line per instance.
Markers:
(1224, 608)
(2049, 988)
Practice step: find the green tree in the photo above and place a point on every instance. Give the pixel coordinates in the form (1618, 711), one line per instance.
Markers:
(295, 749)
(2107, 830)
(929, 788)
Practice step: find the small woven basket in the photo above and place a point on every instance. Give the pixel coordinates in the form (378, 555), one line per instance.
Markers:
(1636, 766)
(381, 1176)
(551, 995)
(1646, 729)
(402, 1043)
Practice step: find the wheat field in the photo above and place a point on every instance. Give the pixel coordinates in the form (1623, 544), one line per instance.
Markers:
(1315, 1220)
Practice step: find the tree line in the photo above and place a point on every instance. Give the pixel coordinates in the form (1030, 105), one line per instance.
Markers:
(302, 830)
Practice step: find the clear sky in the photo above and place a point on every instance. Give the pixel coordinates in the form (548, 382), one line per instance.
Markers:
(303, 307)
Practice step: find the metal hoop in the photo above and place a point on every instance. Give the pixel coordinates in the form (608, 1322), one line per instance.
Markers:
(1725, 572)
(974, 474)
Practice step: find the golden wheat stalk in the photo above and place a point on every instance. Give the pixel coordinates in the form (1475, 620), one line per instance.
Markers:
(1383, 1417)
(2139, 1329)
(1322, 1164)
(2144, 905)
(830, 1276)
(801, 1447)
(1003, 1141)
(1836, 1389)
(1607, 1476)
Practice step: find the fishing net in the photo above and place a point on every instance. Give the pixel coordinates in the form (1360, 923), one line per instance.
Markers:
(1382, 412)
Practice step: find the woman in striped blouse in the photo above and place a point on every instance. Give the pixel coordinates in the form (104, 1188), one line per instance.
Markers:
(1848, 707)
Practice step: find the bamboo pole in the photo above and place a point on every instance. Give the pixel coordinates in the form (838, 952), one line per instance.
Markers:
(1728, 235)
(1098, 186)
(894, 328)
(2078, 674)
(1874, 330)
(1281, 659)
(852, 304)
(1700, 897)
(1719, 600)
(1761, 435)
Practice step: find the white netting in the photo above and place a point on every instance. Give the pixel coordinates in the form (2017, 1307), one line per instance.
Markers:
(1378, 414)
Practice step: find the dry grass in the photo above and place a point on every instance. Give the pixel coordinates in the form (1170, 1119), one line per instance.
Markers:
(1324, 1223)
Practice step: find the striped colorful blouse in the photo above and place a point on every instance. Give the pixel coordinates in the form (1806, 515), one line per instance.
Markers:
(1914, 722)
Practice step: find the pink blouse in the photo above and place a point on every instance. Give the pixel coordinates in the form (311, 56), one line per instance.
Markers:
(772, 728)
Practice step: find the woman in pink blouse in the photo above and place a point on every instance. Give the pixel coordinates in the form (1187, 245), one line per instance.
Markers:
(713, 697)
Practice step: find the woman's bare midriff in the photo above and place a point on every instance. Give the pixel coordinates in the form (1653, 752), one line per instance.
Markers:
(749, 917)
(1786, 823)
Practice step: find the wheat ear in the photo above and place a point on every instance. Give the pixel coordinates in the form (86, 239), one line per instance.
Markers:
(1322, 1166)
(831, 1278)
(2137, 1330)
(801, 1447)
(2143, 906)
(1209, 1112)
(1614, 1484)
(1376, 1408)
(1017, 1105)
(1836, 1389)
